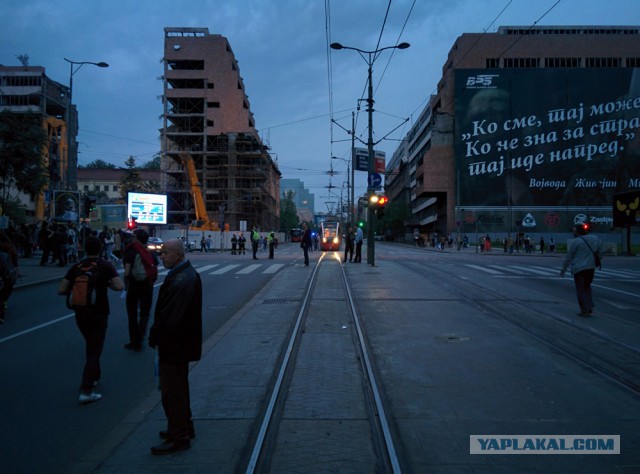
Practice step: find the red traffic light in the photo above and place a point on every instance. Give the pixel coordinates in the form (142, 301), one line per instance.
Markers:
(383, 200)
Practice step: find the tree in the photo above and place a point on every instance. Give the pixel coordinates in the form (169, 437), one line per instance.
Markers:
(288, 212)
(131, 181)
(99, 165)
(22, 139)
(154, 164)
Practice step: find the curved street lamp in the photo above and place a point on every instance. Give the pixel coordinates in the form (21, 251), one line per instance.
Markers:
(370, 57)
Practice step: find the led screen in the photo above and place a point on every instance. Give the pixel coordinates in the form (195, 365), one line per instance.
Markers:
(147, 208)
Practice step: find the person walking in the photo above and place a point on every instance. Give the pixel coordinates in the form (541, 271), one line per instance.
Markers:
(255, 240)
(139, 285)
(359, 240)
(234, 243)
(203, 245)
(348, 245)
(271, 242)
(177, 334)
(580, 255)
(91, 319)
(306, 242)
(242, 241)
(541, 244)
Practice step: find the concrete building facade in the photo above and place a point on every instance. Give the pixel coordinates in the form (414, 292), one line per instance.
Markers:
(207, 115)
(303, 199)
(426, 169)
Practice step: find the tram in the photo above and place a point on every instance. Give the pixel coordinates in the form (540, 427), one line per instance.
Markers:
(296, 235)
(329, 236)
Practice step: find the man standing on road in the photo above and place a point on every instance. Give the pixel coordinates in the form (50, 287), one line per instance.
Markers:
(359, 240)
(255, 241)
(177, 333)
(580, 255)
(139, 285)
(306, 242)
(91, 319)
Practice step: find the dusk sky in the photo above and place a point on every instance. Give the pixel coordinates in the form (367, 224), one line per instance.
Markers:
(295, 83)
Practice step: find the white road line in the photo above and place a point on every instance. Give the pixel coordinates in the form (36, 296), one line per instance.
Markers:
(206, 267)
(274, 268)
(35, 328)
(224, 270)
(248, 269)
(484, 269)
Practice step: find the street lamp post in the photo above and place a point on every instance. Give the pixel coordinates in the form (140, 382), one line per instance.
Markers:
(370, 57)
(72, 72)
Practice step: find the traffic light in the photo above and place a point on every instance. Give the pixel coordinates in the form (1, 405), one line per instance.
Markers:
(89, 205)
(131, 223)
(382, 201)
(361, 224)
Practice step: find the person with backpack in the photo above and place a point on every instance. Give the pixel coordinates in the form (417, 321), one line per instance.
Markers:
(140, 273)
(85, 286)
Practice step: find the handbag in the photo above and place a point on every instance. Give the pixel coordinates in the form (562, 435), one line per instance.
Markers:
(596, 254)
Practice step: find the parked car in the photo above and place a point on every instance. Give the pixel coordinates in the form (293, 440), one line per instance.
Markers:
(154, 244)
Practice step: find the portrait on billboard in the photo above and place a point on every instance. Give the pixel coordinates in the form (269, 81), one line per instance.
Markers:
(547, 137)
(66, 206)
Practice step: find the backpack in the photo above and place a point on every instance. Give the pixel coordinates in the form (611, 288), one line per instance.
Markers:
(82, 290)
(141, 272)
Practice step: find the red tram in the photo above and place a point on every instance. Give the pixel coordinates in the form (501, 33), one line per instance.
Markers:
(329, 236)
(296, 235)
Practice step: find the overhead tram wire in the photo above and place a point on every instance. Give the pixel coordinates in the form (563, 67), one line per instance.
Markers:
(327, 30)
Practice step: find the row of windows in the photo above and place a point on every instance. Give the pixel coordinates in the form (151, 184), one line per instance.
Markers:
(570, 31)
(20, 80)
(9, 100)
(494, 63)
(104, 187)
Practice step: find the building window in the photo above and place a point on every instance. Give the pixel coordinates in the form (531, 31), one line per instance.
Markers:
(521, 62)
(21, 81)
(244, 104)
(114, 188)
(209, 123)
(213, 105)
(239, 85)
(96, 187)
(492, 63)
(561, 62)
(603, 62)
(85, 187)
(633, 62)
(210, 85)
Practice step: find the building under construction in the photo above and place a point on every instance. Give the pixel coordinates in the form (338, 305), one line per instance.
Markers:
(208, 127)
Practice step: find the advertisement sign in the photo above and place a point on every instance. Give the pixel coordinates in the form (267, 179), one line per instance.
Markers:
(626, 209)
(66, 206)
(147, 208)
(362, 160)
(551, 138)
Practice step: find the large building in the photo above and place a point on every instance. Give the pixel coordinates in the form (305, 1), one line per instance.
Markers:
(27, 89)
(207, 119)
(531, 130)
(303, 199)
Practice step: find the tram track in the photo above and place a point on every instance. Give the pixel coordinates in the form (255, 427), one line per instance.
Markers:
(325, 404)
(607, 355)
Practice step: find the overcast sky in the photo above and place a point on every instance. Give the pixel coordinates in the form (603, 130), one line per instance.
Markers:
(281, 47)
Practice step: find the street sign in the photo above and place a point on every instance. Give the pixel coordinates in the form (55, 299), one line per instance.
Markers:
(375, 180)
(362, 160)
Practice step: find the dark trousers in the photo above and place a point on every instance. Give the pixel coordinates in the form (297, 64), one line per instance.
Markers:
(305, 249)
(271, 248)
(140, 293)
(254, 247)
(583, 282)
(358, 257)
(93, 329)
(348, 251)
(174, 387)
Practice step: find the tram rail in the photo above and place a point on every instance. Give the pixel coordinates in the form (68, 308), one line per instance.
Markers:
(287, 379)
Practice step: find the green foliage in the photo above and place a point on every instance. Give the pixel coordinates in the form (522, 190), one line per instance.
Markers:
(154, 164)
(131, 181)
(22, 139)
(99, 165)
(288, 212)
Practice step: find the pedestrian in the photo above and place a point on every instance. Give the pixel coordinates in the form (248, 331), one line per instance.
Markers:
(234, 244)
(242, 241)
(359, 240)
(541, 244)
(203, 244)
(209, 243)
(177, 334)
(271, 242)
(139, 285)
(580, 255)
(306, 242)
(552, 245)
(348, 245)
(92, 318)
(255, 240)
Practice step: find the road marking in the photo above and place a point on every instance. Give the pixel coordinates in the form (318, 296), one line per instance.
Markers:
(206, 267)
(248, 269)
(484, 269)
(274, 268)
(224, 270)
(35, 328)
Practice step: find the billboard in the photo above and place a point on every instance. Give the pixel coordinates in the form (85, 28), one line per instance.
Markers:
(147, 208)
(66, 206)
(547, 139)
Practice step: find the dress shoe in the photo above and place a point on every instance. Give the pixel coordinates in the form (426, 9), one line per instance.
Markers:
(86, 398)
(164, 434)
(169, 447)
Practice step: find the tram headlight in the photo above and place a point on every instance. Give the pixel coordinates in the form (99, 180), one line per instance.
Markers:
(324, 240)
(336, 240)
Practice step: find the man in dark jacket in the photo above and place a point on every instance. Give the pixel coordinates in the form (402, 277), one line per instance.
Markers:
(177, 333)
